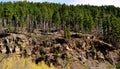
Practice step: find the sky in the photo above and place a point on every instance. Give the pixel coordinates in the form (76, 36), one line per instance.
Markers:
(75, 2)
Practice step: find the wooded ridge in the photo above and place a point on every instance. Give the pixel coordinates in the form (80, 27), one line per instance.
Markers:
(102, 21)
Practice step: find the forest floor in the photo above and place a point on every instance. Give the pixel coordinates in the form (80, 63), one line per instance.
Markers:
(80, 51)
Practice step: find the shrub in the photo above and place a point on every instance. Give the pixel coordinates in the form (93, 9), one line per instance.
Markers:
(118, 65)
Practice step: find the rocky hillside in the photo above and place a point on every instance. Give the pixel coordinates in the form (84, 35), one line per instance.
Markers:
(80, 51)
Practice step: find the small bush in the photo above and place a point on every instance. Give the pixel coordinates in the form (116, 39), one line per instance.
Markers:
(118, 65)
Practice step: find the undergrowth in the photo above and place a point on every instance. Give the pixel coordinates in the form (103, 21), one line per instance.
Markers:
(22, 63)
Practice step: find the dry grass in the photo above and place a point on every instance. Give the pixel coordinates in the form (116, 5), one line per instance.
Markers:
(22, 63)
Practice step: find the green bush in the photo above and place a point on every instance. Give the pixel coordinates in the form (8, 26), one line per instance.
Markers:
(118, 65)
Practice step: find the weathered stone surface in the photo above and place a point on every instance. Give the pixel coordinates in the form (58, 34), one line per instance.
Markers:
(3, 32)
(79, 51)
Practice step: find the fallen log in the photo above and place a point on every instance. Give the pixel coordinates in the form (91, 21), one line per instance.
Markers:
(102, 43)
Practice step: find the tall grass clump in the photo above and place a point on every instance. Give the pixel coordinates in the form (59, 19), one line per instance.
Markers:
(22, 63)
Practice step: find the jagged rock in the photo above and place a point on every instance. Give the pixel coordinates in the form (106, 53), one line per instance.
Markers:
(75, 58)
(50, 55)
(49, 43)
(58, 50)
(79, 43)
(28, 51)
(65, 47)
(84, 45)
(17, 50)
(112, 57)
(3, 50)
(4, 32)
(61, 40)
(68, 54)
(47, 50)
(71, 44)
(82, 56)
(76, 65)
(11, 50)
(60, 62)
(57, 45)
(100, 56)
(11, 46)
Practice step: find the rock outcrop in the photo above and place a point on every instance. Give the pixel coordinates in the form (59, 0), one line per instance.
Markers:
(79, 50)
